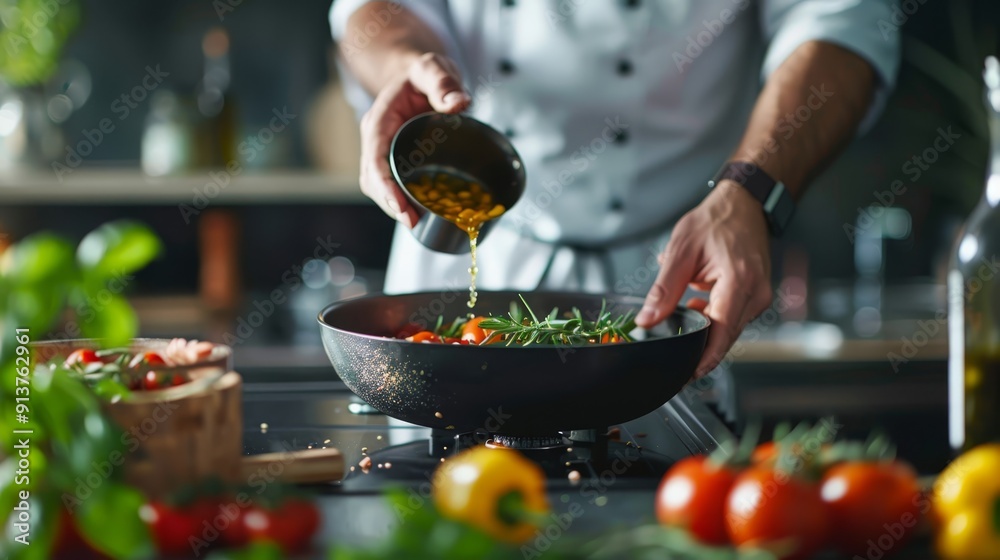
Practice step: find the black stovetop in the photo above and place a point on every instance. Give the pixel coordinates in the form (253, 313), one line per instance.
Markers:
(299, 413)
(282, 416)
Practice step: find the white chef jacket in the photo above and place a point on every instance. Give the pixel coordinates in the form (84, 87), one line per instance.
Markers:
(621, 111)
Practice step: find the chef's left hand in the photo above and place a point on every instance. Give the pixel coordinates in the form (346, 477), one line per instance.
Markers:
(721, 246)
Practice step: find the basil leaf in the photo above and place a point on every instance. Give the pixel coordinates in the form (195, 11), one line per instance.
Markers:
(113, 320)
(110, 521)
(40, 258)
(118, 247)
(111, 390)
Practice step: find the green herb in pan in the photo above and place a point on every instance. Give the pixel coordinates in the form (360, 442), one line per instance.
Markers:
(523, 330)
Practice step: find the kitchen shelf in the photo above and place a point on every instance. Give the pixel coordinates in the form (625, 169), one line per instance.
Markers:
(128, 185)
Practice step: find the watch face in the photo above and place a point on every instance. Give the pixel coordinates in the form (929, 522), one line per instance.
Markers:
(779, 209)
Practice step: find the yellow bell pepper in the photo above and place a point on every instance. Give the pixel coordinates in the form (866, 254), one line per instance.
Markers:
(498, 491)
(967, 505)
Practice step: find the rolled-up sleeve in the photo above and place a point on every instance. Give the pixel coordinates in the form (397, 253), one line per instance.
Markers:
(432, 12)
(862, 26)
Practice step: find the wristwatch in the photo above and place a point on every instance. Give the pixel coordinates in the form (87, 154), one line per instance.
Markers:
(778, 204)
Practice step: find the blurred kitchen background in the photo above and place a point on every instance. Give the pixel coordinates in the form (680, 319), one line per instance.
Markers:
(111, 109)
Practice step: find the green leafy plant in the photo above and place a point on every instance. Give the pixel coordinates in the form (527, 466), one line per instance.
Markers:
(521, 329)
(45, 283)
(32, 36)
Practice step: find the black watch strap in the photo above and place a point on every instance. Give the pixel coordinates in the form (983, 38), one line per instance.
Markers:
(777, 201)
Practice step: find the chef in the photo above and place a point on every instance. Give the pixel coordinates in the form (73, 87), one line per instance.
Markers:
(665, 141)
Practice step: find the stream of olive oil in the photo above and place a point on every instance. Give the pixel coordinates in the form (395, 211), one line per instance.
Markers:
(467, 204)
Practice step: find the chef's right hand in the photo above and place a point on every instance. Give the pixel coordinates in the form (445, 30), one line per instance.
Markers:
(432, 83)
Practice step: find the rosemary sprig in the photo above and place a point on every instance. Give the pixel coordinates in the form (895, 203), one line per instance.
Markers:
(523, 330)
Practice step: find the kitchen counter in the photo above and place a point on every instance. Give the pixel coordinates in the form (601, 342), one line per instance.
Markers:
(287, 411)
(359, 520)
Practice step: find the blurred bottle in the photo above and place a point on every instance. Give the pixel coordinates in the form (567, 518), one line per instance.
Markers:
(217, 138)
(974, 304)
(168, 136)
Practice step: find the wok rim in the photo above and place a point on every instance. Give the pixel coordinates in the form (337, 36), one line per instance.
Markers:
(680, 309)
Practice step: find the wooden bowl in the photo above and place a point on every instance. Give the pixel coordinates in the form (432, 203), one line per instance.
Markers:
(179, 435)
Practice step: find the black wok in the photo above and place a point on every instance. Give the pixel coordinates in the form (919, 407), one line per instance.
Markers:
(532, 390)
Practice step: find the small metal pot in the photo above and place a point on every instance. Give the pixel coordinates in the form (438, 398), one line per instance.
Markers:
(461, 146)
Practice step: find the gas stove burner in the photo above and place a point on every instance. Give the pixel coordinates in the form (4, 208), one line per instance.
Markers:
(526, 442)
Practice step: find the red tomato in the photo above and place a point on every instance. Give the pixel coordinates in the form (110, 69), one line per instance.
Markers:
(424, 336)
(149, 381)
(172, 527)
(770, 509)
(82, 356)
(235, 533)
(472, 333)
(692, 495)
(871, 503)
(290, 526)
(453, 340)
(177, 379)
(151, 359)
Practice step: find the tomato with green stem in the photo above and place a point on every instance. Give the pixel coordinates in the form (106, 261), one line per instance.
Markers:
(692, 495)
(771, 509)
(869, 499)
